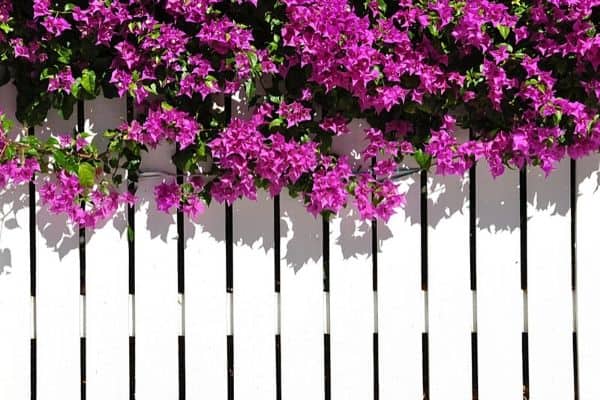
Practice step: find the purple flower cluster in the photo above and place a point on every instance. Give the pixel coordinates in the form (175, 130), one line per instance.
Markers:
(244, 154)
(523, 78)
(164, 123)
(64, 194)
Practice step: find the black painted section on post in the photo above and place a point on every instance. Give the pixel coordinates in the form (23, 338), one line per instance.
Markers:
(573, 201)
(525, 352)
(425, 371)
(181, 352)
(375, 366)
(131, 367)
(82, 257)
(473, 225)
(230, 367)
(180, 253)
(32, 233)
(325, 254)
(327, 365)
(131, 187)
(575, 366)
(33, 370)
(229, 247)
(474, 367)
(424, 233)
(523, 223)
(83, 363)
(277, 242)
(278, 367)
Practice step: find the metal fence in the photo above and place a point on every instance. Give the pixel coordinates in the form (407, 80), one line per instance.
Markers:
(480, 288)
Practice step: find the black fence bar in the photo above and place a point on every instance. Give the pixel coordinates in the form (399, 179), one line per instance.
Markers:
(326, 335)
(523, 251)
(131, 187)
(523, 224)
(573, 187)
(32, 277)
(277, 284)
(82, 267)
(82, 257)
(473, 272)
(424, 220)
(229, 273)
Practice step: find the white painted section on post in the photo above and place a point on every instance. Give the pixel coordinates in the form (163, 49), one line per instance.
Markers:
(499, 296)
(253, 300)
(450, 298)
(107, 296)
(301, 302)
(205, 306)
(351, 292)
(15, 299)
(588, 277)
(549, 285)
(58, 303)
(156, 309)
(401, 312)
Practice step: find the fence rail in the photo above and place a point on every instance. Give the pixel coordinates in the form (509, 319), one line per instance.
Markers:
(479, 289)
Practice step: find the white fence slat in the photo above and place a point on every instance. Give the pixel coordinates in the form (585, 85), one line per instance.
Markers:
(253, 299)
(588, 277)
(15, 300)
(107, 316)
(58, 299)
(401, 311)
(352, 307)
(450, 299)
(549, 285)
(205, 305)
(107, 296)
(301, 303)
(156, 299)
(499, 295)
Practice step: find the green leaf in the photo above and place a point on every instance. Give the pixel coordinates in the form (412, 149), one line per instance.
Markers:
(88, 81)
(7, 124)
(504, 31)
(250, 89)
(5, 27)
(59, 158)
(423, 159)
(276, 123)
(87, 173)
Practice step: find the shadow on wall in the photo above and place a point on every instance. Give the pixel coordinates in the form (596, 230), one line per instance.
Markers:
(301, 233)
(11, 203)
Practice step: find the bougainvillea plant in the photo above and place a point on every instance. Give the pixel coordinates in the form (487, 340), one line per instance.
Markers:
(522, 77)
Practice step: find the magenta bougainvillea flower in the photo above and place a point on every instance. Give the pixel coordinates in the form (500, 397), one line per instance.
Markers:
(443, 82)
